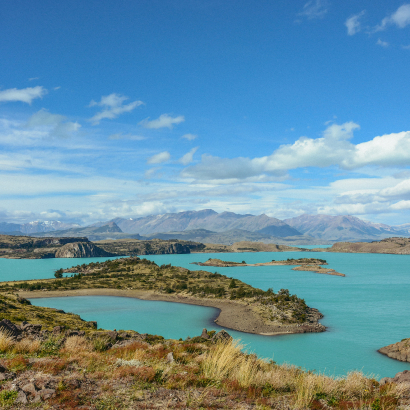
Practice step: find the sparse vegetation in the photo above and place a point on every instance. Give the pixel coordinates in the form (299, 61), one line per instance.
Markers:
(200, 375)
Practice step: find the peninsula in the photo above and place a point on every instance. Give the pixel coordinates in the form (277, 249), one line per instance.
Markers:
(303, 264)
(241, 306)
(395, 246)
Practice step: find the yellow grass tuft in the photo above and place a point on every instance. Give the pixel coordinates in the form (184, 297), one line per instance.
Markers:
(77, 344)
(227, 361)
(6, 341)
(27, 346)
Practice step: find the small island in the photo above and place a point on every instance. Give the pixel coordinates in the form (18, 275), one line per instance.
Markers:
(302, 264)
(242, 307)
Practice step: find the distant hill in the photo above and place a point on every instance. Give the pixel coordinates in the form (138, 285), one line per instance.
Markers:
(93, 233)
(206, 219)
(34, 227)
(230, 237)
(342, 228)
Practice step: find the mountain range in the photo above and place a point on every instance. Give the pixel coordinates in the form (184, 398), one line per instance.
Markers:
(34, 227)
(208, 226)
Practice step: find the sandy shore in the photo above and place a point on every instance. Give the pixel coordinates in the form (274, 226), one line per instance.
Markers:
(232, 315)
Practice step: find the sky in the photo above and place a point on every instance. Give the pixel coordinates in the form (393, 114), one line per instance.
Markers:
(129, 108)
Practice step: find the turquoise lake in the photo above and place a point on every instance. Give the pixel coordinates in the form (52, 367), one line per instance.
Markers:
(367, 309)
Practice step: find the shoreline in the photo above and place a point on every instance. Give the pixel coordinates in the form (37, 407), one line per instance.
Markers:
(232, 315)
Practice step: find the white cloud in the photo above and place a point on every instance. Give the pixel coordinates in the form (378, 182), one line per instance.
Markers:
(159, 158)
(390, 150)
(315, 9)
(333, 149)
(401, 205)
(188, 157)
(120, 136)
(189, 137)
(382, 43)
(400, 18)
(113, 107)
(54, 122)
(163, 121)
(149, 173)
(26, 95)
(353, 23)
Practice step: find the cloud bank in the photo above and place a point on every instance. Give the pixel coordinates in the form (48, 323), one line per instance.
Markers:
(333, 149)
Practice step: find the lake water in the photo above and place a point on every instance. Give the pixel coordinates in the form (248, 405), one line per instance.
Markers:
(367, 309)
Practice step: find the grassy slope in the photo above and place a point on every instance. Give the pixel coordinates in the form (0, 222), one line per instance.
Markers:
(18, 309)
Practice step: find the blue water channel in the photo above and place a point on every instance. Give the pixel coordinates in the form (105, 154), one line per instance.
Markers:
(367, 309)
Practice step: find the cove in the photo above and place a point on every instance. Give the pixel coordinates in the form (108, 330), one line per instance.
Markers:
(364, 311)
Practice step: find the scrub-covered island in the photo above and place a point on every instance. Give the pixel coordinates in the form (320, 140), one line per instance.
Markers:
(301, 264)
(242, 307)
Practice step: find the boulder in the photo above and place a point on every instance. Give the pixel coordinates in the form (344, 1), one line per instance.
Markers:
(221, 337)
(204, 334)
(402, 377)
(9, 327)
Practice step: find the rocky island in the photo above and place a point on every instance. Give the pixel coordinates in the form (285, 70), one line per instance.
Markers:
(241, 306)
(303, 264)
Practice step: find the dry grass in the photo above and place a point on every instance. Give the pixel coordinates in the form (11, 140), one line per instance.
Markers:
(77, 344)
(27, 346)
(227, 361)
(6, 341)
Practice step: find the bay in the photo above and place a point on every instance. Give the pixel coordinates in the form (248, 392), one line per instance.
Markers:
(363, 311)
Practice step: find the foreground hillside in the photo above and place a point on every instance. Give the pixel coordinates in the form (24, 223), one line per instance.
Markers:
(64, 367)
(396, 246)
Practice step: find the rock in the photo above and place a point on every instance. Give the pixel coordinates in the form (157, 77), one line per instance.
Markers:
(221, 336)
(385, 380)
(7, 376)
(170, 357)
(29, 388)
(204, 334)
(81, 250)
(30, 329)
(9, 327)
(21, 398)
(402, 377)
(72, 383)
(46, 394)
(111, 335)
(58, 329)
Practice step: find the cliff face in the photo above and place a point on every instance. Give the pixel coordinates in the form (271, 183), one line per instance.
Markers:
(80, 250)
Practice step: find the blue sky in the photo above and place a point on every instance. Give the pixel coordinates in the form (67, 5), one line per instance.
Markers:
(132, 108)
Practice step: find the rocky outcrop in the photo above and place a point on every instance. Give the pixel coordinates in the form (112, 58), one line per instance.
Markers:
(402, 377)
(399, 351)
(81, 250)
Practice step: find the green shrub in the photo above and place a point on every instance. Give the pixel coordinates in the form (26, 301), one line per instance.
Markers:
(7, 398)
